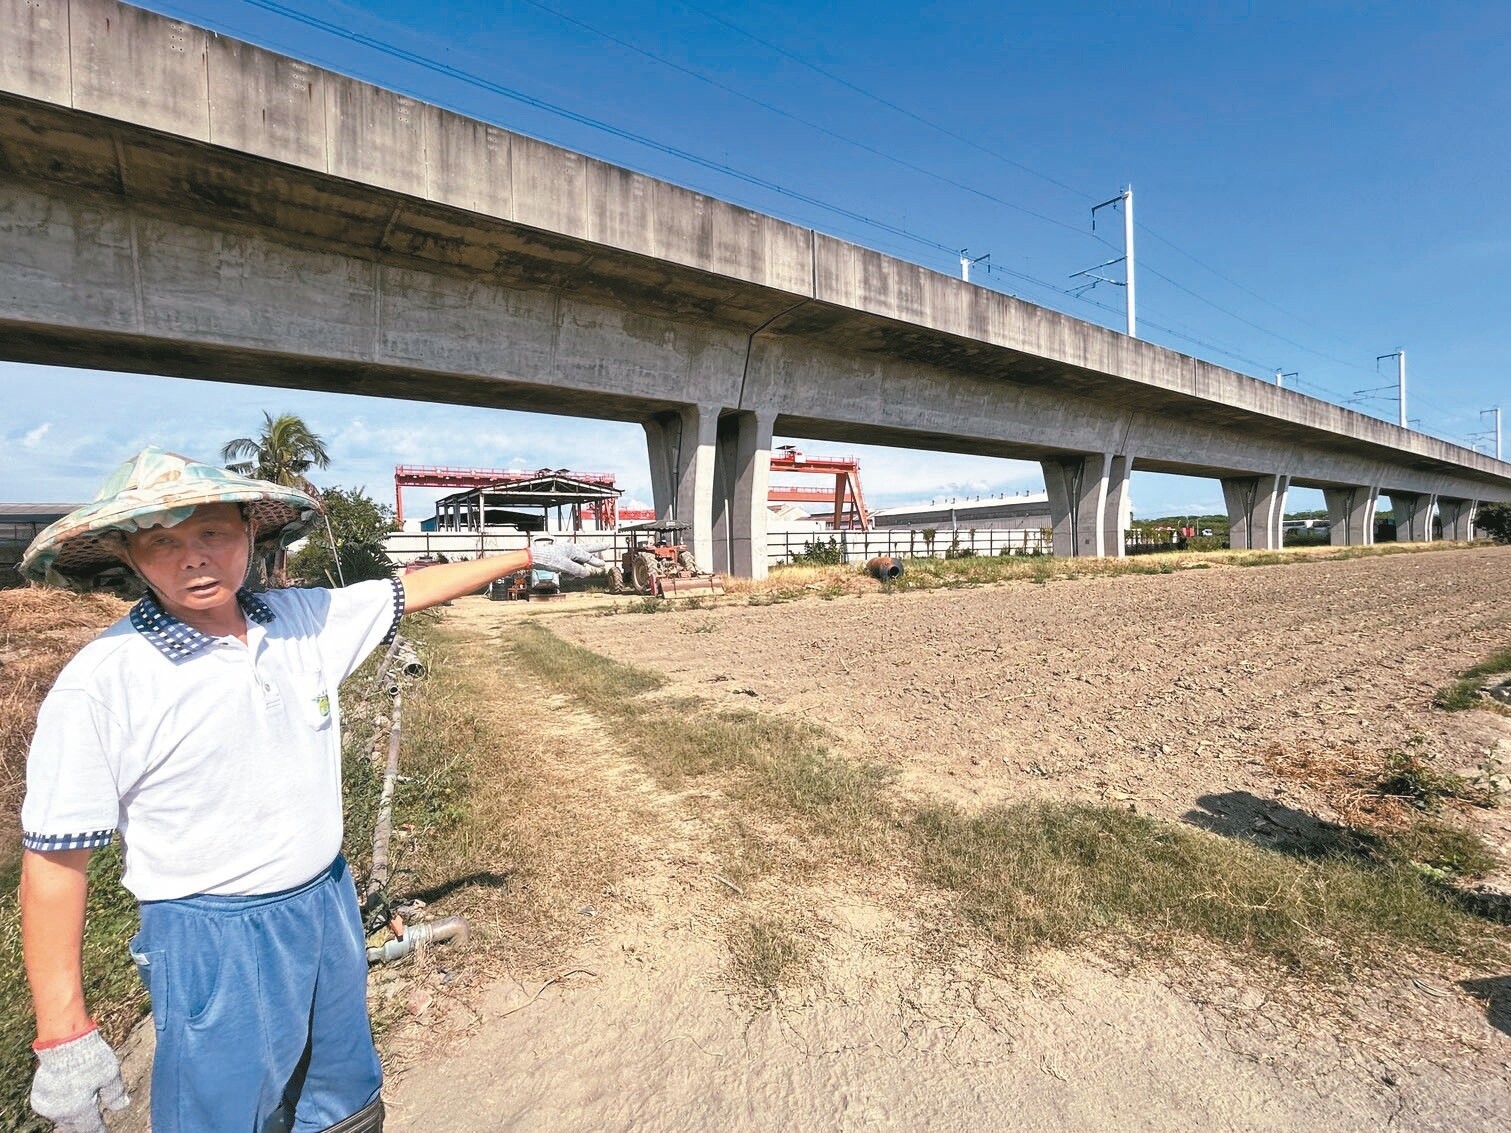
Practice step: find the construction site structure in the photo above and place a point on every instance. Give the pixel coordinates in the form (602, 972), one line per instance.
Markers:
(849, 513)
(604, 512)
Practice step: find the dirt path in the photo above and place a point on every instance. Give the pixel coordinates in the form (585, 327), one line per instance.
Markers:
(1166, 692)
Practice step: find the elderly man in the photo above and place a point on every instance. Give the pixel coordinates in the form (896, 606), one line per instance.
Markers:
(204, 727)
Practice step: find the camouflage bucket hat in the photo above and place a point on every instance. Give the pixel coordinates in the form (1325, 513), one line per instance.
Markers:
(156, 488)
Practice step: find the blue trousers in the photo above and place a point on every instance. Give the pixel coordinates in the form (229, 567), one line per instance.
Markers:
(260, 1007)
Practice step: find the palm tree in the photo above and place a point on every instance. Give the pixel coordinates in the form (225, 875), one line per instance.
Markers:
(284, 452)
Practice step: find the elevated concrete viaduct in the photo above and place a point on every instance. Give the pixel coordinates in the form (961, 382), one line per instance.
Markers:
(175, 202)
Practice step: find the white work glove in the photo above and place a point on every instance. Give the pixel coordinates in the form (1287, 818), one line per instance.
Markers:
(74, 1079)
(569, 558)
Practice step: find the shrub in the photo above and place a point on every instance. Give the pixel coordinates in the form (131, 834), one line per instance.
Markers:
(1495, 521)
(817, 552)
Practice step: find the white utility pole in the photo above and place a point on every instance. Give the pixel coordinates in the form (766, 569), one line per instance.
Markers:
(1495, 433)
(1125, 198)
(966, 262)
(1400, 357)
(1128, 257)
(1401, 383)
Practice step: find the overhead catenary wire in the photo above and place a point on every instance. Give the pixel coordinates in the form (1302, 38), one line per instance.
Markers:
(820, 128)
(719, 167)
(935, 245)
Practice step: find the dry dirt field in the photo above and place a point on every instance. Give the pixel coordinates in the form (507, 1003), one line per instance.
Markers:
(1240, 700)
(1186, 694)
(1234, 699)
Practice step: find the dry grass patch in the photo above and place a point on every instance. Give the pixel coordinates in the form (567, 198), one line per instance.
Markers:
(1037, 875)
(1040, 875)
(40, 630)
(782, 766)
(802, 580)
(765, 956)
(1388, 803)
(492, 821)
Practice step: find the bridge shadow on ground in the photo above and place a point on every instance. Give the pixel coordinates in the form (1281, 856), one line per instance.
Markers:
(1495, 992)
(1272, 825)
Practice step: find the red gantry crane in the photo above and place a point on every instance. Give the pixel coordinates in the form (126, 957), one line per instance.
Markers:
(850, 512)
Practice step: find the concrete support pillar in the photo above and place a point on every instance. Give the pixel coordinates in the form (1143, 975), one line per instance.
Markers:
(1413, 512)
(1116, 509)
(1256, 511)
(1087, 497)
(681, 450)
(742, 475)
(1458, 517)
(1351, 512)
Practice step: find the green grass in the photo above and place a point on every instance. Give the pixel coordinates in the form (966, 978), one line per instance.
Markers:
(1439, 851)
(112, 989)
(1050, 874)
(781, 765)
(1042, 874)
(765, 955)
(1465, 692)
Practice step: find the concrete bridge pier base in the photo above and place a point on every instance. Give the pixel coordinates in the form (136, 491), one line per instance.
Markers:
(1087, 501)
(1458, 517)
(681, 448)
(742, 475)
(1351, 512)
(1256, 511)
(1413, 512)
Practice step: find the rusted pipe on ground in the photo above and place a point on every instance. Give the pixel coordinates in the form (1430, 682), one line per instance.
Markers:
(429, 932)
(884, 567)
(388, 656)
(408, 659)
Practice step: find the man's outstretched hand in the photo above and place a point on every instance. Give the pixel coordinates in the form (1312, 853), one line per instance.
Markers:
(570, 558)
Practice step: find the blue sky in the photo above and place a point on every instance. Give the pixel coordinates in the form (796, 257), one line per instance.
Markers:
(1316, 184)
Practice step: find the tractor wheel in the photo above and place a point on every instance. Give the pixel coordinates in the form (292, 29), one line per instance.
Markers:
(616, 580)
(687, 562)
(645, 572)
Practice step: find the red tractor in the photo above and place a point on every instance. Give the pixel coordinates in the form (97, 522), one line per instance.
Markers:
(657, 562)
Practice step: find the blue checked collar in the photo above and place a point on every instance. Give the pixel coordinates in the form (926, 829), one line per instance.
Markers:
(176, 640)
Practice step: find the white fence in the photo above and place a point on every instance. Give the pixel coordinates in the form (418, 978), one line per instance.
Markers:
(858, 546)
(781, 546)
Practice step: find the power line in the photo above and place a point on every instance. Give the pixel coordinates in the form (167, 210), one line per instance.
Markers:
(766, 184)
(825, 130)
(589, 121)
(1246, 290)
(906, 113)
(796, 58)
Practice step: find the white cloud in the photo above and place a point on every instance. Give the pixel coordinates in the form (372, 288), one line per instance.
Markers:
(34, 438)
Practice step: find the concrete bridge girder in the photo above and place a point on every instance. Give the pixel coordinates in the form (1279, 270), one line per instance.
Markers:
(242, 306)
(176, 202)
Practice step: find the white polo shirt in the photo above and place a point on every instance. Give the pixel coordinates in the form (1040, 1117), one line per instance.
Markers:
(218, 762)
